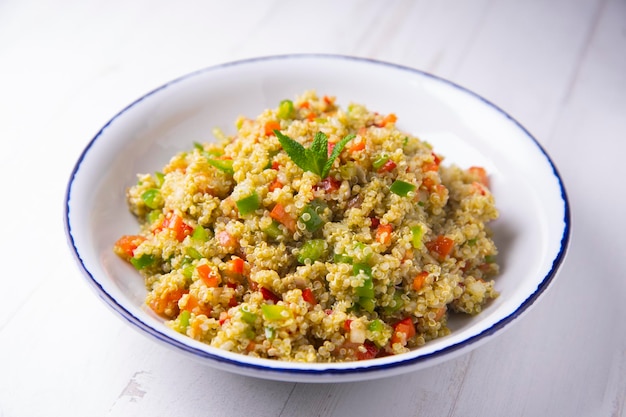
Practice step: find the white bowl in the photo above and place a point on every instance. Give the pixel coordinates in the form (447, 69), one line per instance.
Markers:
(532, 232)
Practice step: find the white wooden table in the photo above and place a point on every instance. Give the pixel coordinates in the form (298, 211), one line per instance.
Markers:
(559, 67)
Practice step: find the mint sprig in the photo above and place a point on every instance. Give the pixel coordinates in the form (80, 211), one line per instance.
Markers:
(314, 159)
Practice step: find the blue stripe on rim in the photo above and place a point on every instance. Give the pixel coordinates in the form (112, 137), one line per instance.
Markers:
(128, 316)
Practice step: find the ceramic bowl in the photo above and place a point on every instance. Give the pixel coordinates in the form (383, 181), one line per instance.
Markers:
(532, 232)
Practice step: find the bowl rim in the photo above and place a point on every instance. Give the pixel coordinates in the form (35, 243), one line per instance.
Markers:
(295, 369)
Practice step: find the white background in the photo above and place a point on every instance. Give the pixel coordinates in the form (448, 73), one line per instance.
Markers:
(559, 67)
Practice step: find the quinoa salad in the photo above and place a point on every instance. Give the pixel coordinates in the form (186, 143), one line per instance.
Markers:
(314, 233)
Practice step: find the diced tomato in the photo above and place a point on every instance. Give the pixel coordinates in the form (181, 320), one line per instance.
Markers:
(329, 185)
(235, 266)
(387, 167)
(270, 126)
(331, 146)
(346, 325)
(308, 296)
(208, 275)
(481, 174)
(403, 331)
(126, 245)
(269, 295)
(442, 246)
(371, 351)
(223, 317)
(418, 281)
(430, 166)
(279, 214)
(383, 234)
(374, 222)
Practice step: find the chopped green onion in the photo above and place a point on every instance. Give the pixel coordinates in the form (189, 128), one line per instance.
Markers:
(275, 312)
(183, 320)
(285, 109)
(152, 198)
(310, 216)
(375, 326)
(248, 204)
(143, 261)
(402, 188)
(273, 230)
(200, 234)
(341, 258)
(193, 252)
(417, 232)
(312, 250)
(225, 165)
(380, 161)
(159, 177)
(247, 316)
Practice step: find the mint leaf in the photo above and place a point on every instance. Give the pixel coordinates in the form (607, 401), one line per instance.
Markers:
(314, 159)
(335, 153)
(296, 152)
(318, 153)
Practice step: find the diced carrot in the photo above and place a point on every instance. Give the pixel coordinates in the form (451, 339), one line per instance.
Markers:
(428, 183)
(440, 190)
(383, 234)
(329, 100)
(430, 166)
(305, 105)
(442, 246)
(275, 185)
(167, 304)
(479, 188)
(208, 275)
(275, 165)
(481, 174)
(403, 331)
(279, 214)
(126, 245)
(390, 118)
(418, 281)
(311, 116)
(235, 266)
(308, 296)
(177, 224)
(357, 145)
(270, 126)
(193, 305)
(226, 239)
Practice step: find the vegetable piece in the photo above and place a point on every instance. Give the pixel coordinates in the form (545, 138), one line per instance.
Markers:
(481, 173)
(126, 245)
(200, 234)
(387, 167)
(442, 246)
(311, 218)
(401, 188)
(183, 320)
(208, 275)
(341, 258)
(383, 234)
(271, 127)
(286, 109)
(226, 239)
(380, 161)
(417, 232)
(249, 204)
(388, 119)
(398, 304)
(152, 198)
(235, 266)
(142, 261)
(275, 312)
(223, 164)
(308, 296)
(279, 214)
(368, 351)
(272, 230)
(314, 159)
(275, 185)
(269, 295)
(167, 303)
(418, 281)
(193, 252)
(247, 316)
(312, 250)
(403, 331)
(367, 289)
(176, 223)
